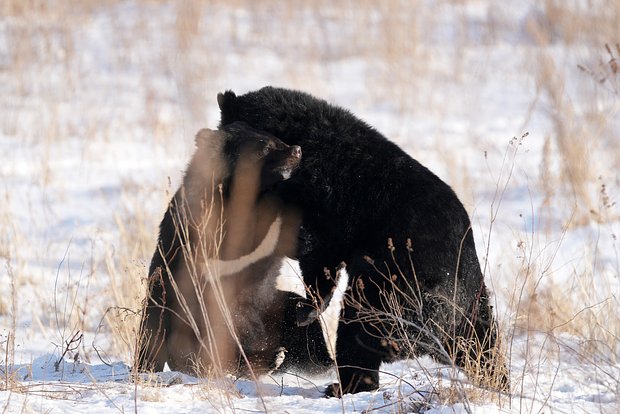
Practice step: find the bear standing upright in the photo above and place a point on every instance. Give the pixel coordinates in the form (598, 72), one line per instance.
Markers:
(222, 241)
(405, 237)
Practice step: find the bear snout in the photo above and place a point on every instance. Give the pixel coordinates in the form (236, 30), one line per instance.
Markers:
(296, 151)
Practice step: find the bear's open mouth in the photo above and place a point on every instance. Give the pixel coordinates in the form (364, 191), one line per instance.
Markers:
(288, 168)
(285, 172)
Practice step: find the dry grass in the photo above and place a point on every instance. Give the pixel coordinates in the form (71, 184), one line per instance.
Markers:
(572, 139)
(485, 367)
(126, 264)
(576, 181)
(573, 317)
(204, 337)
(575, 22)
(576, 313)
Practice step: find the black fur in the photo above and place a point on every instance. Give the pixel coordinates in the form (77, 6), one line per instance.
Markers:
(358, 190)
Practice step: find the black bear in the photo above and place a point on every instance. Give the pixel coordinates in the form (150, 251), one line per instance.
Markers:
(415, 280)
(212, 279)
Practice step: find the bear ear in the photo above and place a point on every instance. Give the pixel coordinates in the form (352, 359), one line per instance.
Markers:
(208, 138)
(229, 107)
(225, 100)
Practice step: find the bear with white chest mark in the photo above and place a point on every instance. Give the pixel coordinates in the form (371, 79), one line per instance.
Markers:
(223, 238)
(400, 230)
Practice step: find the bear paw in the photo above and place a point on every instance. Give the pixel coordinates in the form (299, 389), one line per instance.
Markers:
(333, 391)
(306, 312)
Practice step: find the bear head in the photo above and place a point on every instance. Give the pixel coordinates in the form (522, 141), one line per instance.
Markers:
(237, 142)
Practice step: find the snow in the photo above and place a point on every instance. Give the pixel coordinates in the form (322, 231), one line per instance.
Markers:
(98, 110)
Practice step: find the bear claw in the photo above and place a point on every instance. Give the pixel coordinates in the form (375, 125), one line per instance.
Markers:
(306, 314)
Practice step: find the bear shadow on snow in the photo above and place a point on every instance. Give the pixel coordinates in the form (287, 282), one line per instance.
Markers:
(223, 238)
(415, 285)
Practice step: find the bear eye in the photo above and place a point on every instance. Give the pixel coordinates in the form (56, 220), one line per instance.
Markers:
(267, 147)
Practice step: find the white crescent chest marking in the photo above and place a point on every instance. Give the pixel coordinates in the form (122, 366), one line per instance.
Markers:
(267, 246)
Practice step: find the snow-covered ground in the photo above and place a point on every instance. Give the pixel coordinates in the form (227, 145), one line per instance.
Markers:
(98, 109)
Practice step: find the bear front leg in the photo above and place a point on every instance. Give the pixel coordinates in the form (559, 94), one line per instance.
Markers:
(353, 380)
(152, 351)
(320, 281)
(358, 360)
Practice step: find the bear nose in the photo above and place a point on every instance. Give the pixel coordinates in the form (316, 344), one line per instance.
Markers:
(296, 151)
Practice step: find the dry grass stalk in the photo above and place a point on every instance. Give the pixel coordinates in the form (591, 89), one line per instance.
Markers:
(400, 316)
(127, 281)
(7, 374)
(538, 306)
(607, 72)
(572, 139)
(206, 303)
